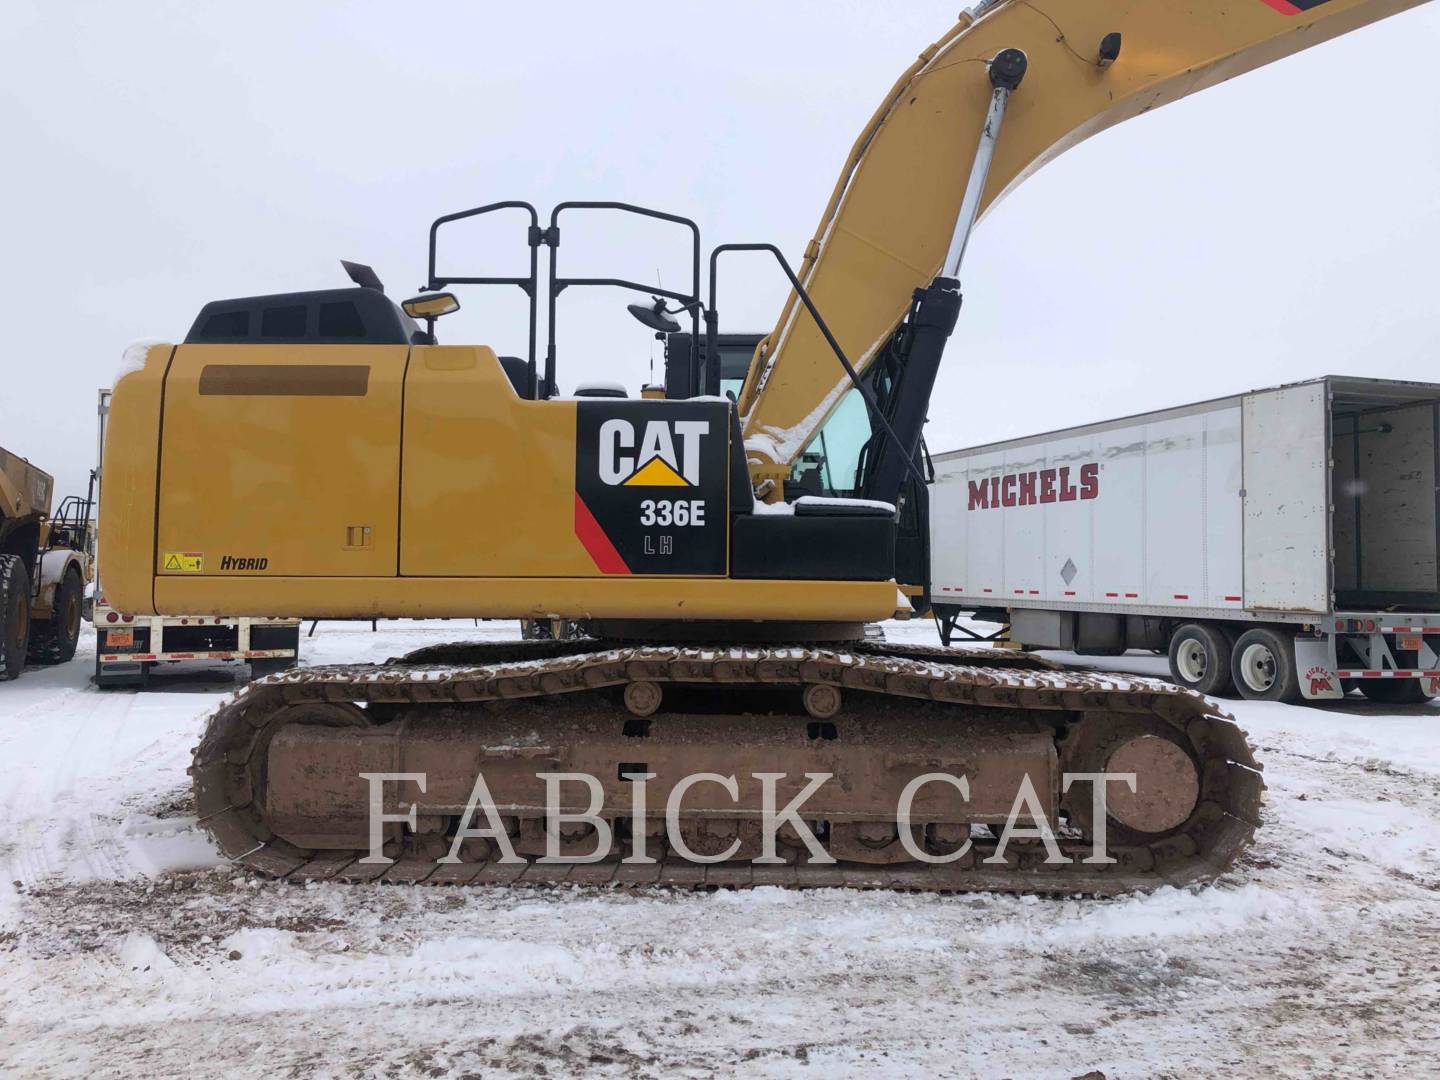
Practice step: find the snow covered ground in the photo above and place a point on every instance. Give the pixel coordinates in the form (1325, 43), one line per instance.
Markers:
(126, 948)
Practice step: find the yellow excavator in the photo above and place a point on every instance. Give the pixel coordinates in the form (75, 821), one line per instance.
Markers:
(722, 548)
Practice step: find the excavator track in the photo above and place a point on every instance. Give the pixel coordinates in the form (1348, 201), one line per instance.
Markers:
(275, 772)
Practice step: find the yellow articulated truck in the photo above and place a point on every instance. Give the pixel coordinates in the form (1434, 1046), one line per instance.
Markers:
(45, 562)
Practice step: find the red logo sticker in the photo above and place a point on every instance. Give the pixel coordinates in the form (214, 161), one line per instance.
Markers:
(1320, 681)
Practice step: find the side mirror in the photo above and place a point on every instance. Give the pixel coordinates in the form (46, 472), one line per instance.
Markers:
(656, 317)
(431, 306)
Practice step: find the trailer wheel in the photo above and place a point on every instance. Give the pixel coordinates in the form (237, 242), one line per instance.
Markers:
(1263, 665)
(54, 641)
(1395, 691)
(14, 616)
(1200, 659)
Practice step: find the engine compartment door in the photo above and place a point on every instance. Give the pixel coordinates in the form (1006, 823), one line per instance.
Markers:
(281, 460)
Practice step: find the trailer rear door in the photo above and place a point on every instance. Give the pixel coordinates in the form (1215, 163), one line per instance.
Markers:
(1286, 456)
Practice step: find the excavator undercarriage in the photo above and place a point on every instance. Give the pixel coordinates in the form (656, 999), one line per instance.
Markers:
(281, 775)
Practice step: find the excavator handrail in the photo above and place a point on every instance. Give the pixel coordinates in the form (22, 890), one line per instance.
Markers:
(529, 284)
(712, 329)
(558, 284)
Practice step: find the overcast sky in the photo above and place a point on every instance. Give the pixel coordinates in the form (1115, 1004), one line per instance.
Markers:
(1281, 226)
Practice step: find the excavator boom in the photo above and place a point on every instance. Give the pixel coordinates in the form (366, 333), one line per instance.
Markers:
(887, 227)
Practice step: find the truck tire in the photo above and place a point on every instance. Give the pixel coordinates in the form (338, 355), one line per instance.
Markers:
(14, 616)
(1200, 659)
(1263, 666)
(1395, 691)
(53, 641)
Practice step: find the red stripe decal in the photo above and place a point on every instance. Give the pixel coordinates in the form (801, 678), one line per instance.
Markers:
(1235, 598)
(1132, 596)
(1115, 595)
(1069, 594)
(1182, 596)
(589, 532)
(1284, 7)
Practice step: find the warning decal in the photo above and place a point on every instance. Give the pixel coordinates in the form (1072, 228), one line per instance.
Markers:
(183, 562)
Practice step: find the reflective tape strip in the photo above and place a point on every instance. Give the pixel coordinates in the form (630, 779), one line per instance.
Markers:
(253, 654)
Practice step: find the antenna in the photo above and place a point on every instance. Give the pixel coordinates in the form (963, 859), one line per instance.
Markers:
(659, 284)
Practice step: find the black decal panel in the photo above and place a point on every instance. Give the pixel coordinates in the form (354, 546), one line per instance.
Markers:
(650, 485)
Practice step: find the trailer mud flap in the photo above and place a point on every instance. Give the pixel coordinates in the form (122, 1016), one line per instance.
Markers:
(1315, 665)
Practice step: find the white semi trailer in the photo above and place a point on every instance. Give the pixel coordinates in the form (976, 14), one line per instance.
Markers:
(1281, 542)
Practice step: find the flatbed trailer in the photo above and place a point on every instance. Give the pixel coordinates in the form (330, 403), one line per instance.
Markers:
(1280, 542)
(128, 647)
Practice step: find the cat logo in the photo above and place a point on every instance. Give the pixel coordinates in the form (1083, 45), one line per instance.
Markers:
(668, 453)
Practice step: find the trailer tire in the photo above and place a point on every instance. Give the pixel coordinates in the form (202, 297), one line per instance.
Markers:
(1395, 691)
(54, 640)
(1263, 665)
(14, 616)
(1200, 659)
